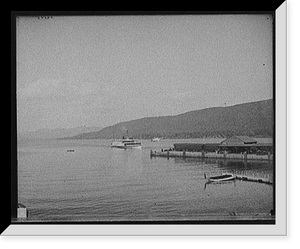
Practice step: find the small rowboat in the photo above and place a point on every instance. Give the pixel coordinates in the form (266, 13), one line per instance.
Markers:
(220, 178)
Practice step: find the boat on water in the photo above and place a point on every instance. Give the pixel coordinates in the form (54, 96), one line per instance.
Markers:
(126, 143)
(220, 178)
(156, 139)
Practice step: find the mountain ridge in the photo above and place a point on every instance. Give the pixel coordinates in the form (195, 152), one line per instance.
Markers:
(252, 119)
(46, 133)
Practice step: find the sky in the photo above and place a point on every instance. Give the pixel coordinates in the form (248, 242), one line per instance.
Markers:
(101, 70)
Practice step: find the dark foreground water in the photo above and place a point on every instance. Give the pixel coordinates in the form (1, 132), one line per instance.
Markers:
(98, 183)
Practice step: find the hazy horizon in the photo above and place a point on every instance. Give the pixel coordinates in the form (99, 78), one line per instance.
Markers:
(99, 71)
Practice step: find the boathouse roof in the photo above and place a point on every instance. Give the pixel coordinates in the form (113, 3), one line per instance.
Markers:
(238, 140)
(246, 145)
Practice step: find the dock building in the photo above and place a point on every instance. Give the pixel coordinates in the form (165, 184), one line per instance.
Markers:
(234, 144)
(235, 147)
(241, 144)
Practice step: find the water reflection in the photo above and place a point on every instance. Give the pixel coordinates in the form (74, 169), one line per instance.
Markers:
(245, 164)
(226, 163)
(218, 184)
(127, 162)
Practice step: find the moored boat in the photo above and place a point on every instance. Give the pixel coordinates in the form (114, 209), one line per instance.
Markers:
(220, 178)
(156, 139)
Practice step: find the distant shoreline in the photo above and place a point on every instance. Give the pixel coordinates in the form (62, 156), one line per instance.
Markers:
(259, 139)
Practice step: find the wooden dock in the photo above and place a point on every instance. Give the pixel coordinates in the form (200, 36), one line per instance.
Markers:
(203, 154)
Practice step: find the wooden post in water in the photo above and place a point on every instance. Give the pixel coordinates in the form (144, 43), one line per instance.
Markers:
(22, 211)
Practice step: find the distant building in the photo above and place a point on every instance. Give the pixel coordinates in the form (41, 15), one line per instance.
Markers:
(240, 144)
(238, 140)
(234, 144)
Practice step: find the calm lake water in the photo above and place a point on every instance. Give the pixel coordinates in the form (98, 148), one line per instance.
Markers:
(100, 183)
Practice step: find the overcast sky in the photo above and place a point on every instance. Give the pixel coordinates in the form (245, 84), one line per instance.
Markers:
(98, 71)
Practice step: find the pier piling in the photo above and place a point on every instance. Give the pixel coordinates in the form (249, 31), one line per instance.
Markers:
(253, 179)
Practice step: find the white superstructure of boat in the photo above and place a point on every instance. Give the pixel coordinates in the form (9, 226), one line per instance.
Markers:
(126, 143)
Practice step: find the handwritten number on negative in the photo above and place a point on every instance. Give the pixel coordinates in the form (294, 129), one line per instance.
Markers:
(45, 17)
